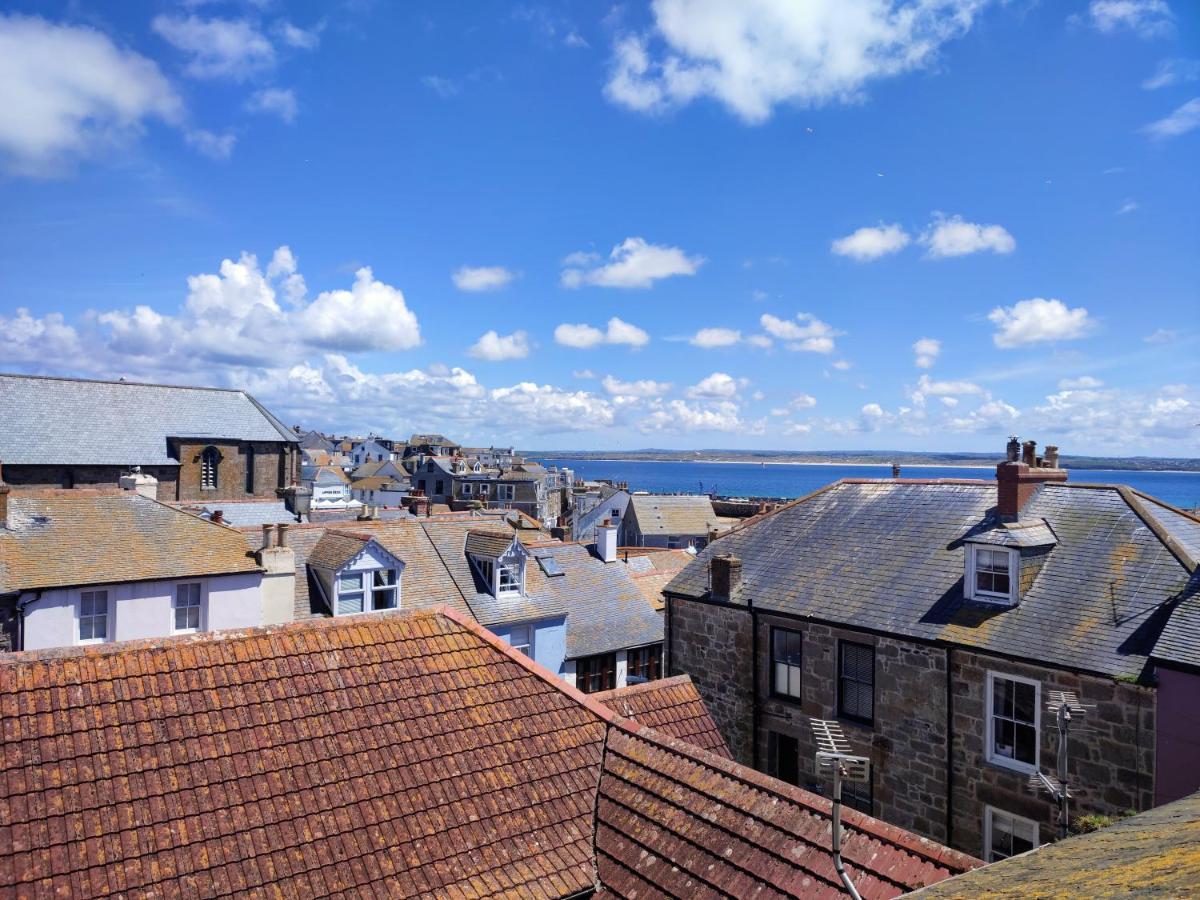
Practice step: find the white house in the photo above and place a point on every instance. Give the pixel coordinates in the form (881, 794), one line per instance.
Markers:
(93, 566)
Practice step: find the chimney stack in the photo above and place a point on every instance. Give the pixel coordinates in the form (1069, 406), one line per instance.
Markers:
(606, 541)
(1017, 481)
(4, 492)
(895, 470)
(725, 574)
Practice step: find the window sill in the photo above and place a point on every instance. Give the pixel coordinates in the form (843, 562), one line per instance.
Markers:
(91, 641)
(1005, 600)
(786, 698)
(855, 720)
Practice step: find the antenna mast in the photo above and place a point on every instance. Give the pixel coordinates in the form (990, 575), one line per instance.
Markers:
(833, 754)
(1064, 705)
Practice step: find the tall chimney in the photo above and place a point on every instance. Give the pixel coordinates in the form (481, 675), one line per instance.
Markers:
(606, 541)
(725, 574)
(282, 528)
(1016, 481)
(4, 492)
(895, 470)
(268, 532)
(1013, 450)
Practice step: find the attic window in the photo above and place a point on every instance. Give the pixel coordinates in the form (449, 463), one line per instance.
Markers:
(550, 566)
(366, 591)
(509, 581)
(991, 574)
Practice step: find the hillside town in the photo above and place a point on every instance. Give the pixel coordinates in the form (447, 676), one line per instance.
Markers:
(569, 687)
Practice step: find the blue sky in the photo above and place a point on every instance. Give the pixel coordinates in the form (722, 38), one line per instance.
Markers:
(846, 223)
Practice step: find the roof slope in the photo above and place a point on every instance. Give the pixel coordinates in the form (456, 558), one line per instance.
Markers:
(70, 421)
(888, 556)
(387, 755)
(1152, 854)
(403, 754)
(673, 515)
(677, 821)
(671, 706)
(59, 538)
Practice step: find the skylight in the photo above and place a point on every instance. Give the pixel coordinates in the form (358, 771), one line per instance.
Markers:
(550, 566)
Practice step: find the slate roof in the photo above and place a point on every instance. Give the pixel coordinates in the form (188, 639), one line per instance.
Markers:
(62, 538)
(653, 569)
(336, 548)
(489, 542)
(684, 515)
(1152, 854)
(672, 707)
(385, 755)
(244, 513)
(70, 421)
(1034, 533)
(887, 556)
(380, 483)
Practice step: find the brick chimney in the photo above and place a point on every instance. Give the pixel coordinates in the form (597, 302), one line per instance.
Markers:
(1018, 479)
(725, 574)
(4, 492)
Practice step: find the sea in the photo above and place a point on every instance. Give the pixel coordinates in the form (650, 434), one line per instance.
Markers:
(1180, 489)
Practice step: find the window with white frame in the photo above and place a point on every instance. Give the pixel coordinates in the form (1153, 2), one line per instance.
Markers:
(505, 491)
(483, 490)
(991, 573)
(93, 617)
(1013, 721)
(510, 579)
(349, 593)
(187, 607)
(521, 638)
(1005, 834)
(786, 647)
(383, 588)
(367, 591)
(467, 489)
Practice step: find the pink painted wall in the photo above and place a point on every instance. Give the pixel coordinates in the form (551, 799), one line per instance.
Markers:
(1177, 769)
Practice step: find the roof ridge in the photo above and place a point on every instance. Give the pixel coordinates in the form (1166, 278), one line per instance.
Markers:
(643, 687)
(1181, 554)
(124, 382)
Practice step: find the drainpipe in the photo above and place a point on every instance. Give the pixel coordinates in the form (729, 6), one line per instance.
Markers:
(949, 747)
(837, 833)
(755, 711)
(21, 617)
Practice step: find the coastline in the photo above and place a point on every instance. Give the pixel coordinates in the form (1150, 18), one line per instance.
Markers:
(882, 465)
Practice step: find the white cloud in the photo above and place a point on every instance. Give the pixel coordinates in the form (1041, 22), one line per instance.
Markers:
(218, 48)
(1146, 18)
(709, 338)
(1161, 336)
(299, 38)
(754, 56)
(279, 102)
(1038, 320)
(633, 263)
(28, 340)
(1183, 120)
(761, 341)
(548, 409)
(1083, 382)
(1171, 72)
(843, 365)
(949, 402)
(794, 428)
(994, 415)
(643, 388)
(926, 350)
(585, 336)
(868, 243)
(956, 237)
(803, 401)
(443, 87)
(717, 386)
(679, 416)
(495, 348)
(1130, 421)
(806, 332)
(481, 278)
(68, 92)
(1127, 207)
(583, 373)
(370, 316)
(214, 146)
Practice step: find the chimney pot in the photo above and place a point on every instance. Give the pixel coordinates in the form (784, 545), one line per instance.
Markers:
(725, 573)
(282, 528)
(268, 531)
(218, 516)
(895, 470)
(1029, 453)
(1051, 456)
(1013, 449)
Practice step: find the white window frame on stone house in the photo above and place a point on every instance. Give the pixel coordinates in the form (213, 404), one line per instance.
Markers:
(999, 759)
(194, 590)
(973, 592)
(990, 815)
(108, 615)
(506, 492)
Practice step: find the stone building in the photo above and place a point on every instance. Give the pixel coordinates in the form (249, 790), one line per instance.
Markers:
(199, 443)
(934, 618)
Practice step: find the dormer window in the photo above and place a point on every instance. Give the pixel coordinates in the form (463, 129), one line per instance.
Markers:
(991, 574)
(499, 559)
(367, 591)
(509, 581)
(355, 573)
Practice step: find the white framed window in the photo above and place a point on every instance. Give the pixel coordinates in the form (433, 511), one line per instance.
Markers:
(509, 579)
(992, 574)
(483, 490)
(187, 612)
(467, 489)
(367, 591)
(1005, 834)
(349, 593)
(520, 637)
(93, 617)
(384, 590)
(505, 491)
(1014, 719)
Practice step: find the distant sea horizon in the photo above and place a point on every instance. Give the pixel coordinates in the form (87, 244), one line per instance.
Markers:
(795, 479)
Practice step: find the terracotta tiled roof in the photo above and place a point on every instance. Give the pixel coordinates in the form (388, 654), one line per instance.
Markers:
(671, 706)
(677, 821)
(383, 755)
(59, 538)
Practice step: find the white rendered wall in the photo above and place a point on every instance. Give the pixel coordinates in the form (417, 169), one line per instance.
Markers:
(145, 609)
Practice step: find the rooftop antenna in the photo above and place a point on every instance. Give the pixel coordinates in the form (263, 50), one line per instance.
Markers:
(833, 754)
(1065, 706)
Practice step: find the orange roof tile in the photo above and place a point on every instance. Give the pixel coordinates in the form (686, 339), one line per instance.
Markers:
(671, 706)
